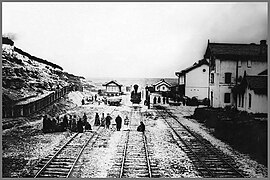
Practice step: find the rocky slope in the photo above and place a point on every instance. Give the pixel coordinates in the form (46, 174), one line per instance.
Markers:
(25, 76)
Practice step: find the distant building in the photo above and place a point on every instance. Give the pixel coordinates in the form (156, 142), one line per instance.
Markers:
(227, 65)
(193, 81)
(113, 88)
(162, 86)
(251, 94)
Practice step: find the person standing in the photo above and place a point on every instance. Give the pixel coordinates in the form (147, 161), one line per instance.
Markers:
(118, 121)
(84, 119)
(108, 121)
(97, 120)
(80, 126)
(45, 124)
(65, 122)
(102, 120)
(126, 121)
(74, 124)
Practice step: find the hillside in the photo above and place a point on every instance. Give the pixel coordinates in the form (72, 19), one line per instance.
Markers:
(25, 76)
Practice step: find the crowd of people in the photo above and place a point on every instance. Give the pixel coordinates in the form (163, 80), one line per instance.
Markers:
(68, 122)
(75, 123)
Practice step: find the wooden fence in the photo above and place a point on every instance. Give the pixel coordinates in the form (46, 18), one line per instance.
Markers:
(27, 108)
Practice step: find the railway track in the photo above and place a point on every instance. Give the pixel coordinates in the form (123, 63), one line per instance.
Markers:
(133, 155)
(62, 162)
(208, 160)
(135, 159)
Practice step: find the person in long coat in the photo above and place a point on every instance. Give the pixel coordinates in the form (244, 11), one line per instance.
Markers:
(118, 121)
(74, 124)
(80, 126)
(84, 119)
(97, 120)
(45, 124)
(65, 122)
(108, 121)
(102, 120)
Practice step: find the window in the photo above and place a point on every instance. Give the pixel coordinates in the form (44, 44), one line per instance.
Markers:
(249, 100)
(227, 98)
(212, 78)
(228, 78)
(249, 63)
(239, 63)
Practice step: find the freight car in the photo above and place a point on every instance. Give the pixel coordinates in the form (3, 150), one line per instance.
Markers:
(114, 101)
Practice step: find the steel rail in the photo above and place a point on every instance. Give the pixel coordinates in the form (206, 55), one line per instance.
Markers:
(45, 166)
(124, 156)
(204, 165)
(147, 156)
(210, 148)
(82, 149)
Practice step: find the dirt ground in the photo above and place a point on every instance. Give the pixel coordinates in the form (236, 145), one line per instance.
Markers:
(24, 145)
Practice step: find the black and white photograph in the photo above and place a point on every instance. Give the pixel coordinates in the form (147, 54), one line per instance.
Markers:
(134, 90)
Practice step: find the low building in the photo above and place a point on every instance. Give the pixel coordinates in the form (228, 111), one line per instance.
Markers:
(251, 94)
(193, 81)
(162, 86)
(113, 88)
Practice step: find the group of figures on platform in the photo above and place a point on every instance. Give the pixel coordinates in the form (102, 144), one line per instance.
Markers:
(75, 123)
(68, 122)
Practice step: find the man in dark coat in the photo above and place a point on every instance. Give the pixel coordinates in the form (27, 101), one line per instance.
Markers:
(118, 121)
(97, 120)
(80, 126)
(141, 127)
(45, 124)
(84, 119)
(65, 122)
(108, 121)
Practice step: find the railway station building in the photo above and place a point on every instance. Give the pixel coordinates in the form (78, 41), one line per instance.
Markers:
(162, 86)
(193, 81)
(227, 65)
(113, 88)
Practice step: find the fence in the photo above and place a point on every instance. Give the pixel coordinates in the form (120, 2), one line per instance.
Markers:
(27, 108)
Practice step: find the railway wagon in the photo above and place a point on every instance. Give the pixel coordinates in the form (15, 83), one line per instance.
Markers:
(114, 101)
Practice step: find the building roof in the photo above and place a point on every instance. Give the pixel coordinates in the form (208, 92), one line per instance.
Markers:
(112, 82)
(194, 66)
(256, 82)
(236, 50)
(162, 81)
(263, 73)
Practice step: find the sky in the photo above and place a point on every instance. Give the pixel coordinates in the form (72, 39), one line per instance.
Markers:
(130, 39)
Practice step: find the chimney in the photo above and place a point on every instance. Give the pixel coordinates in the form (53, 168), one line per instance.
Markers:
(263, 42)
(263, 48)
